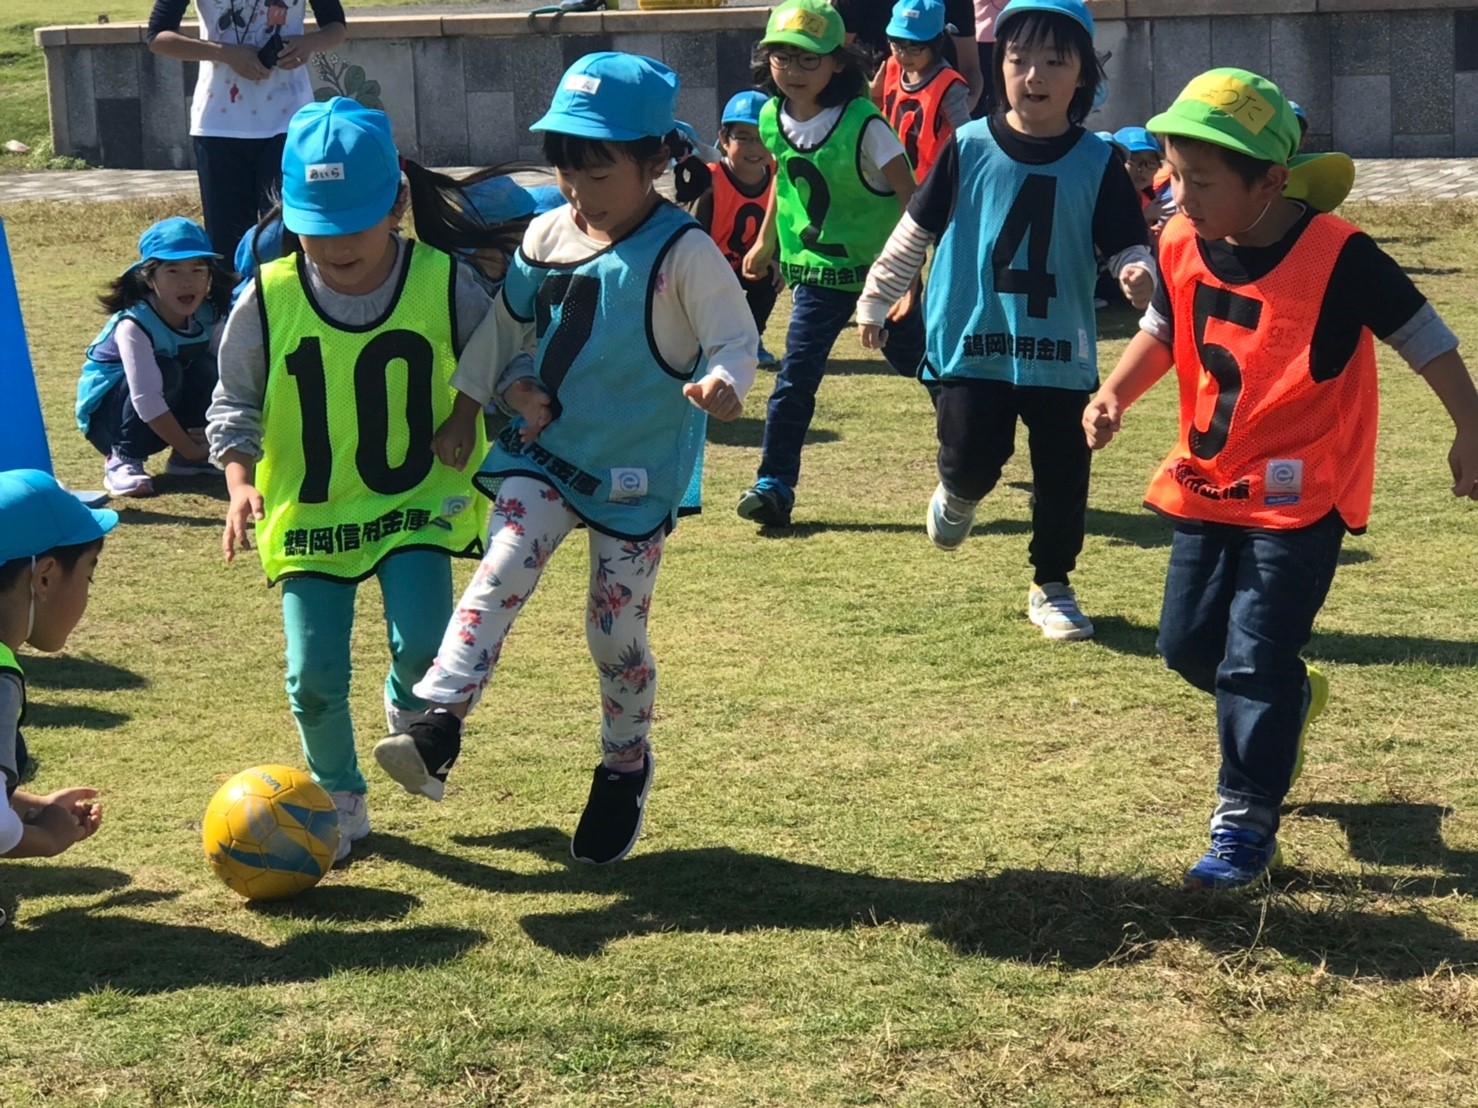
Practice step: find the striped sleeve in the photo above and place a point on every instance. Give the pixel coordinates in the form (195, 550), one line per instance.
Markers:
(894, 271)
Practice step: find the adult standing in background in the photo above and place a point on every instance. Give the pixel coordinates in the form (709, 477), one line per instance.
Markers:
(252, 80)
(986, 14)
(866, 22)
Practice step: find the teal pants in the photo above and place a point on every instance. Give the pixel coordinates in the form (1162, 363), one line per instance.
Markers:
(318, 616)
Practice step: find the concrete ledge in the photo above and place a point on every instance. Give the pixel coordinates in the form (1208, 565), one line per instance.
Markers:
(1171, 9)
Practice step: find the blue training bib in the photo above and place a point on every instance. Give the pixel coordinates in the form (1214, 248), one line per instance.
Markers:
(102, 368)
(625, 443)
(1011, 290)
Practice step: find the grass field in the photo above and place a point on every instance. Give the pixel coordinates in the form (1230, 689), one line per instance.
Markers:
(901, 850)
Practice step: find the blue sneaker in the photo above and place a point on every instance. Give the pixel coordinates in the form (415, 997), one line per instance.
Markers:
(1318, 701)
(766, 359)
(1236, 859)
(949, 519)
(768, 503)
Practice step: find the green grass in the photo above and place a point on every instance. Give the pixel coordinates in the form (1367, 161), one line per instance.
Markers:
(23, 113)
(901, 850)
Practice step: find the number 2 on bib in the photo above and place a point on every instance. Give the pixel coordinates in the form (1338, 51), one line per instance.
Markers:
(1029, 221)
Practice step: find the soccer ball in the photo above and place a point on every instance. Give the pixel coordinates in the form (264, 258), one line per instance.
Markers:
(270, 832)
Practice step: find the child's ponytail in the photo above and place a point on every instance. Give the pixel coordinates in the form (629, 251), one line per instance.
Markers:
(446, 218)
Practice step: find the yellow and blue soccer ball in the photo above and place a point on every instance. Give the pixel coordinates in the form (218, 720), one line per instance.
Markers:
(270, 832)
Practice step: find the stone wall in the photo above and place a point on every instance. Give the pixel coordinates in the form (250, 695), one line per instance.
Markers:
(1379, 78)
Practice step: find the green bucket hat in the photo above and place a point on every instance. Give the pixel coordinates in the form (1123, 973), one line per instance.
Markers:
(812, 25)
(1236, 109)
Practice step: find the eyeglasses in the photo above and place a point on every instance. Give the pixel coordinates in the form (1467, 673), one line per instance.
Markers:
(807, 62)
(907, 49)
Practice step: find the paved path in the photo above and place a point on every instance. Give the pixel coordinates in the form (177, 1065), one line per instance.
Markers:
(1419, 178)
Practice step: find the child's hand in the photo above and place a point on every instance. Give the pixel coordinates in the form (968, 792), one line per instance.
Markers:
(872, 336)
(757, 261)
(1138, 285)
(1155, 213)
(454, 441)
(533, 403)
(1102, 419)
(245, 509)
(904, 305)
(59, 824)
(1463, 459)
(78, 801)
(716, 397)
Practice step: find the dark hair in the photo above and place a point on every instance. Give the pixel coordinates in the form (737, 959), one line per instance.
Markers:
(572, 152)
(846, 85)
(1251, 170)
(447, 220)
(943, 46)
(66, 556)
(1059, 33)
(1303, 124)
(133, 286)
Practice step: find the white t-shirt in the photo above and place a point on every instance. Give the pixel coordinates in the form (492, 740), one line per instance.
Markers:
(879, 144)
(226, 104)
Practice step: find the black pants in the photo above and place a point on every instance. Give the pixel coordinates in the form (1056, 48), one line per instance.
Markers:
(761, 295)
(977, 436)
(238, 180)
(115, 425)
(987, 102)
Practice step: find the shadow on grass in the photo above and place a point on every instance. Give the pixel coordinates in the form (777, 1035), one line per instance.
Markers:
(72, 951)
(750, 431)
(1125, 636)
(78, 671)
(1397, 833)
(1034, 916)
(73, 715)
(133, 516)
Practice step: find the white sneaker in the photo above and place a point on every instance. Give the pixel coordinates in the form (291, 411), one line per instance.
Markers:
(949, 519)
(125, 476)
(1054, 608)
(399, 720)
(353, 821)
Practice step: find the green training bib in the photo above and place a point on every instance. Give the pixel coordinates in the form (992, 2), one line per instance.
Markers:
(830, 222)
(347, 475)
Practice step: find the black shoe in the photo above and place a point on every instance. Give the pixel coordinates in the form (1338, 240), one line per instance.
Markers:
(768, 503)
(420, 757)
(613, 815)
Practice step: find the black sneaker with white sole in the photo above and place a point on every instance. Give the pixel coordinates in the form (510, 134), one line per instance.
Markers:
(613, 815)
(420, 757)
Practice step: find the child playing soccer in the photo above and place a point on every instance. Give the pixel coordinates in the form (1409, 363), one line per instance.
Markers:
(335, 373)
(733, 207)
(1266, 313)
(923, 96)
(148, 375)
(49, 547)
(641, 329)
(1018, 203)
(841, 179)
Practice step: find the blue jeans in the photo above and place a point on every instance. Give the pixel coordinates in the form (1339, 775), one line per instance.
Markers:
(318, 616)
(1239, 609)
(817, 316)
(115, 425)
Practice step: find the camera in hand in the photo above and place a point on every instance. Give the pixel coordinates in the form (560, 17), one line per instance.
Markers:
(270, 50)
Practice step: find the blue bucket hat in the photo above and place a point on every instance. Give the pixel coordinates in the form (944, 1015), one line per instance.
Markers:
(173, 240)
(499, 199)
(547, 198)
(37, 515)
(744, 107)
(340, 169)
(917, 20)
(1136, 139)
(615, 97)
(1075, 10)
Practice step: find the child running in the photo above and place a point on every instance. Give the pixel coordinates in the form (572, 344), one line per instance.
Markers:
(1018, 202)
(1266, 313)
(923, 96)
(49, 547)
(733, 207)
(841, 180)
(336, 371)
(147, 378)
(641, 329)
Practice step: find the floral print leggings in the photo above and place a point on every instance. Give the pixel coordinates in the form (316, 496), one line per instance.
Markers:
(529, 520)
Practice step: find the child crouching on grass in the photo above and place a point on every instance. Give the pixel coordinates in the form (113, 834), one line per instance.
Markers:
(642, 332)
(49, 547)
(1266, 312)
